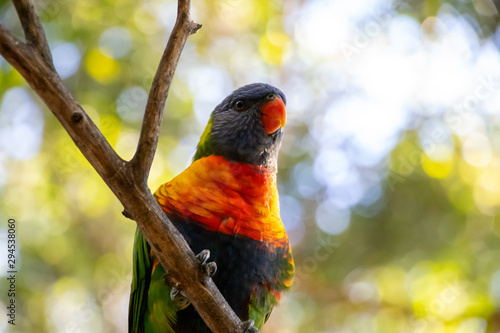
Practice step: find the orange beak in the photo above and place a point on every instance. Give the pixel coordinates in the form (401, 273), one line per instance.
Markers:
(273, 115)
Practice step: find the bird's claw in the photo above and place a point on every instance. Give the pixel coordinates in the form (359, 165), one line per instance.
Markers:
(209, 268)
(248, 327)
(180, 300)
(176, 295)
(203, 256)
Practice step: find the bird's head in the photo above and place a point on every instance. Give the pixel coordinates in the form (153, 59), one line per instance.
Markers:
(246, 126)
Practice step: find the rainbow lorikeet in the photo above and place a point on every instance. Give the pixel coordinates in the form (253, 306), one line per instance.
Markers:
(226, 201)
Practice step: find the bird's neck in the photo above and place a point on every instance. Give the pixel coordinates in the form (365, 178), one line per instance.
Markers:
(225, 196)
(262, 153)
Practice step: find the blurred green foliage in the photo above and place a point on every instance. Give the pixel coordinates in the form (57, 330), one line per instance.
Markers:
(389, 171)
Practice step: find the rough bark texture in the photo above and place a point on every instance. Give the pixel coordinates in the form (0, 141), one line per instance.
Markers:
(127, 179)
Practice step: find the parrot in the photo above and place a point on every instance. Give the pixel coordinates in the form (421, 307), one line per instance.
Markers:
(225, 202)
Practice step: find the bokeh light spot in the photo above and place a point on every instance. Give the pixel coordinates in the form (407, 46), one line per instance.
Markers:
(115, 41)
(437, 169)
(273, 46)
(66, 59)
(101, 67)
(21, 125)
(477, 150)
(131, 104)
(332, 220)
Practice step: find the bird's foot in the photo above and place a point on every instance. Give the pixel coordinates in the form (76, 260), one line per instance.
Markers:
(208, 268)
(248, 327)
(176, 295)
(180, 300)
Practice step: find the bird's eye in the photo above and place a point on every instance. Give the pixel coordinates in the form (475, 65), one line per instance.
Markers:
(239, 106)
(270, 96)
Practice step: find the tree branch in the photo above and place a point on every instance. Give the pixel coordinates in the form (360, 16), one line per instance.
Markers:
(33, 31)
(153, 115)
(125, 179)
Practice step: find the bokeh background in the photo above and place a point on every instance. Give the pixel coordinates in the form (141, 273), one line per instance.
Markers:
(389, 171)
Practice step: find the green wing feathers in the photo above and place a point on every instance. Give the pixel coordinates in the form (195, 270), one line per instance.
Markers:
(150, 309)
(140, 282)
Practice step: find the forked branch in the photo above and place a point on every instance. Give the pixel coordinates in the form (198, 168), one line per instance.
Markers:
(127, 180)
(32, 28)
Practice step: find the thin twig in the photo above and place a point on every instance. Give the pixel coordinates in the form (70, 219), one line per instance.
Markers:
(153, 115)
(33, 31)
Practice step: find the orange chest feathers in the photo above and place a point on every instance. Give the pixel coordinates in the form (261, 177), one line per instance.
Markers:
(227, 197)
